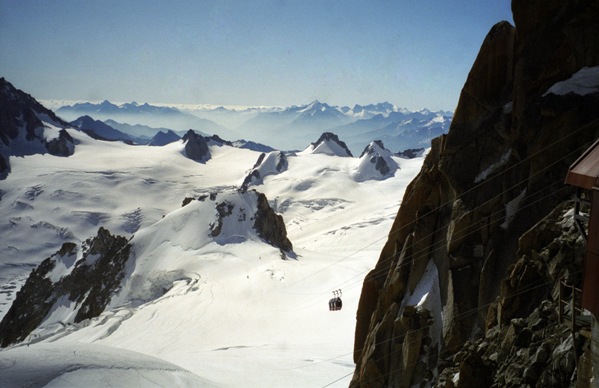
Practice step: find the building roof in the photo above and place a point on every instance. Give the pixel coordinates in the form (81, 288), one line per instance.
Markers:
(584, 172)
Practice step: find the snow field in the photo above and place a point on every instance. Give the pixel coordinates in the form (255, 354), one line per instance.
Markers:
(233, 312)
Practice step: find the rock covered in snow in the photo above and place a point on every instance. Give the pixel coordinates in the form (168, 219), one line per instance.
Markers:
(239, 216)
(63, 145)
(329, 144)
(27, 128)
(375, 163)
(272, 163)
(583, 82)
(242, 220)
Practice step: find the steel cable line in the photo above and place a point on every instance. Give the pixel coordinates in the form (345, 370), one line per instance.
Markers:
(483, 182)
(442, 243)
(500, 194)
(532, 286)
(438, 247)
(468, 231)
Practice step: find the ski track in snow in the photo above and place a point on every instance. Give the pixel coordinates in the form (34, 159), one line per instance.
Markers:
(232, 313)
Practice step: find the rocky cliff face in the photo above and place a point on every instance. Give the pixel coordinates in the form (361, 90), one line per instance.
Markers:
(271, 226)
(498, 171)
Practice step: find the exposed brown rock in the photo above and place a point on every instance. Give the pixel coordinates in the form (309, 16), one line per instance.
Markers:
(498, 171)
(270, 225)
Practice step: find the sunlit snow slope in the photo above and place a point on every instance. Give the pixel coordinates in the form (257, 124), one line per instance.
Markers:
(234, 313)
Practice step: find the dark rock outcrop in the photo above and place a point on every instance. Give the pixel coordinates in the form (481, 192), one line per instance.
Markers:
(196, 147)
(270, 225)
(4, 166)
(63, 145)
(217, 140)
(411, 153)
(498, 171)
(223, 209)
(88, 283)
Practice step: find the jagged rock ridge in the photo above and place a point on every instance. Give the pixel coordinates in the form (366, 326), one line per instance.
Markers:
(27, 128)
(497, 172)
(85, 281)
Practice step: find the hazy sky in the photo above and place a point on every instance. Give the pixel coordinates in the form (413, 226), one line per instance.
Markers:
(412, 53)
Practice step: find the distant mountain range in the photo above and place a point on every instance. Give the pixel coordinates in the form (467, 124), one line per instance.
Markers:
(146, 115)
(280, 128)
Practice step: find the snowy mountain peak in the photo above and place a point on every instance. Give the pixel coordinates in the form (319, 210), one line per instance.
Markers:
(375, 163)
(375, 147)
(369, 110)
(328, 144)
(317, 105)
(272, 163)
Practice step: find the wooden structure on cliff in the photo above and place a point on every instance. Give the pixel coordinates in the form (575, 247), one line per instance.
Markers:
(584, 174)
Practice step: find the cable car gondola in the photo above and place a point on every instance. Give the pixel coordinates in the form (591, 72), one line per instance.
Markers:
(335, 303)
